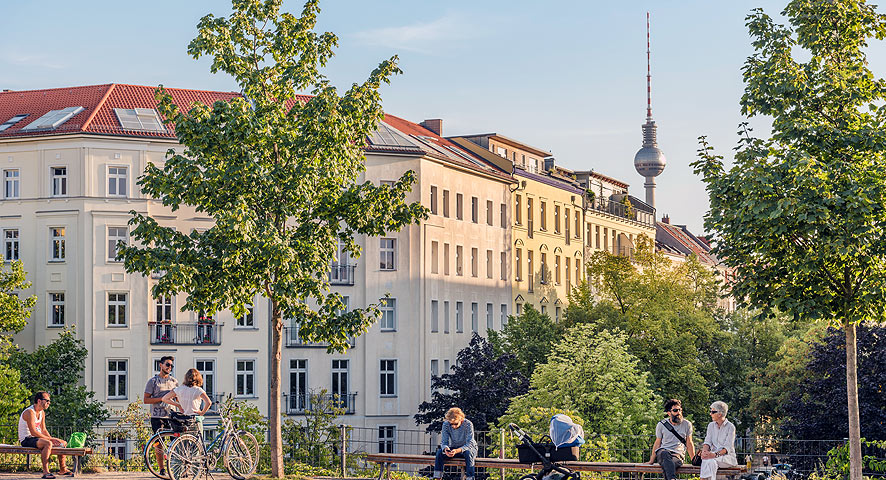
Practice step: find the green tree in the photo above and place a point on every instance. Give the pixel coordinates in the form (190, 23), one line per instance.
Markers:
(592, 373)
(58, 369)
(14, 314)
(801, 215)
(527, 337)
(280, 178)
(315, 438)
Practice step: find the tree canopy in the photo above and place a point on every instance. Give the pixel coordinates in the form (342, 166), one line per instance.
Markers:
(801, 215)
(14, 314)
(528, 338)
(281, 176)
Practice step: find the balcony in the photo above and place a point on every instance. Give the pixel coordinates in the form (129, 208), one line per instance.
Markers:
(299, 403)
(185, 333)
(620, 210)
(291, 339)
(341, 274)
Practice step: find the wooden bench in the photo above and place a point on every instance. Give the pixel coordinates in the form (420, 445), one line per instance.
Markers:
(386, 459)
(75, 453)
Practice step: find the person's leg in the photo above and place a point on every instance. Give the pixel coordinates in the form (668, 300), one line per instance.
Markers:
(61, 464)
(438, 463)
(45, 447)
(668, 463)
(469, 464)
(157, 424)
(708, 469)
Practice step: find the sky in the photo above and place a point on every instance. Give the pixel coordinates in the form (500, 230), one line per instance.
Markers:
(568, 77)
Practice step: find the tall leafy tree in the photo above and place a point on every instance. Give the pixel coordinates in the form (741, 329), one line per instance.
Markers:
(527, 338)
(801, 215)
(280, 178)
(14, 314)
(481, 383)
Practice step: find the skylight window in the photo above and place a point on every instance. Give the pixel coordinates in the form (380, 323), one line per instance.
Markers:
(52, 119)
(12, 121)
(139, 119)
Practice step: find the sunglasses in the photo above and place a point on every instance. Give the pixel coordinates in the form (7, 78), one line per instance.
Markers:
(167, 364)
(714, 411)
(676, 410)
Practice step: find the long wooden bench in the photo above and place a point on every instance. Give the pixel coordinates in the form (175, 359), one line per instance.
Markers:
(385, 460)
(76, 454)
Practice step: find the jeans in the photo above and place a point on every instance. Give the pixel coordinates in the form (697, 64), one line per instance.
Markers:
(669, 463)
(441, 457)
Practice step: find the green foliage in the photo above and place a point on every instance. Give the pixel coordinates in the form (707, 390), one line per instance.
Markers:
(592, 373)
(837, 464)
(315, 437)
(246, 416)
(14, 314)
(528, 337)
(58, 369)
(135, 419)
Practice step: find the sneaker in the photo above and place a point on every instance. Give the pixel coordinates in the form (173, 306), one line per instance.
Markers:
(162, 472)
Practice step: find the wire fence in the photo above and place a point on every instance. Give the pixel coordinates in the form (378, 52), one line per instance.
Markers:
(343, 451)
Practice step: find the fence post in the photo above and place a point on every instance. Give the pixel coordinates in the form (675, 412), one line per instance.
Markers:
(344, 448)
(501, 453)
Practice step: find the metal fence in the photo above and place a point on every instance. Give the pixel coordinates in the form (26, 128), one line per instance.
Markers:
(342, 452)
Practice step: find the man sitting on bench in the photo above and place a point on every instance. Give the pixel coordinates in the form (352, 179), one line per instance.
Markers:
(32, 433)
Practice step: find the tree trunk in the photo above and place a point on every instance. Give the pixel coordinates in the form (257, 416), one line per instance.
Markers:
(852, 396)
(275, 436)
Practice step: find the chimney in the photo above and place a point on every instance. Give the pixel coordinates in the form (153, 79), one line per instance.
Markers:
(434, 124)
(666, 219)
(549, 164)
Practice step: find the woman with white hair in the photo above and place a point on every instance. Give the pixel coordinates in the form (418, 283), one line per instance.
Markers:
(718, 449)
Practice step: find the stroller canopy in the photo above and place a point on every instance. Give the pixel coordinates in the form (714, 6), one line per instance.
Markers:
(565, 433)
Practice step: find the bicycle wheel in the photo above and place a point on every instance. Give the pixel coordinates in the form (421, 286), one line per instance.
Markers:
(157, 464)
(241, 455)
(186, 458)
(530, 476)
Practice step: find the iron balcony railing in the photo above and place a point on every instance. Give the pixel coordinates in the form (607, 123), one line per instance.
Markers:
(292, 339)
(341, 274)
(299, 403)
(621, 210)
(185, 333)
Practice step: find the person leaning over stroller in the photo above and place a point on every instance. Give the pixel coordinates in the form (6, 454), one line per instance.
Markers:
(457, 441)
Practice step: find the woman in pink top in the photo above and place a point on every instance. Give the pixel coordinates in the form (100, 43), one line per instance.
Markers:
(189, 397)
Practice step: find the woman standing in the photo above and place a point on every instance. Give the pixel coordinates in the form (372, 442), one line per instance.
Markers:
(718, 449)
(457, 441)
(188, 397)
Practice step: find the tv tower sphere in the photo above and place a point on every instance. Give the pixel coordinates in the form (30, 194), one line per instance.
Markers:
(649, 161)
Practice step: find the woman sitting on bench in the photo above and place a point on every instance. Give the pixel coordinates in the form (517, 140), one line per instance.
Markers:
(457, 440)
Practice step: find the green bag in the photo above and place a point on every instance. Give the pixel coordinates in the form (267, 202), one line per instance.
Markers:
(78, 440)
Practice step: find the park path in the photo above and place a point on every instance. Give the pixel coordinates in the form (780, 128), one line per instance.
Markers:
(99, 476)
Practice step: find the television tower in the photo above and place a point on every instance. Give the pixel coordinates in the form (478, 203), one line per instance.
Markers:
(649, 161)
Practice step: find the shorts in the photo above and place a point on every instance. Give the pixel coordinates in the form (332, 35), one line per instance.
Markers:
(160, 424)
(30, 442)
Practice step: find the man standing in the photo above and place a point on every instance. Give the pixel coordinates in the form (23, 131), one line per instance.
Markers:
(157, 387)
(32, 433)
(673, 436)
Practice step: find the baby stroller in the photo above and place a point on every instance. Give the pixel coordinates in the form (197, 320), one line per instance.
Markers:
(548, 453)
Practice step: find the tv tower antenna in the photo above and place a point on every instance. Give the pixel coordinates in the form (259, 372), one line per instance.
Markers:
(649, 161)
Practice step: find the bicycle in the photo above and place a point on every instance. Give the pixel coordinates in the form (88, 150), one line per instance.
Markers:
(157, 466)
(188, 457)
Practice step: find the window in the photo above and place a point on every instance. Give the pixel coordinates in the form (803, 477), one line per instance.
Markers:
(578, 225)
(117, 181)
(56, 309)
(557, 311)
(504, 315)
(388, 254)
(163, 313)
(207, 369)
(245, 378)
(387, 183)
(474, 262)
(10, 244)
(577, 271)
(388, 309)
(518, 211)
(488, 263)
(445, 259)
(59, 181)
(544, 310)
(247, 320)
(116, 236)
(433, 200)
(446, 317)
(489, 212)
(529, 272)
(11, 184)
(459, 260)
(475, 320)
(459, 317)
(557, 269)
(519, 264)
(529, 216)
(386, 438)
(53, 119)
(435, 251)
(445, 203)
(446, 366)
(556, 218)
(597, 235)
(12, 121)
(459, 206)
(116, 445)
(117, 372)
(435, 320)
(504, 216)
(57, 244)
(501, 151)
(489, 321)
(298, 385)
(387, 373)
(435, 372)
(568, 276)
(139, 119)
(340, 381)
(475, 207)
(503, 266)
(116, 309)
(544, 269)
(519, 309)
(543, 215)
(566, 224)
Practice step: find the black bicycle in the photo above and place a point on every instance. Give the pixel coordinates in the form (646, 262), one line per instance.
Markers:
(546, 454)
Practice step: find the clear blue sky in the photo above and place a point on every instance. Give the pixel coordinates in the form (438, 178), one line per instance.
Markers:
(564, 76)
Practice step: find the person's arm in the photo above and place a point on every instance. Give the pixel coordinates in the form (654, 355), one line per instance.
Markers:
(34, 429)
(690, 445)
(470, 427)
(654, 449)
(168, 399)
(444, 437)
(149, 398)
(206, 403)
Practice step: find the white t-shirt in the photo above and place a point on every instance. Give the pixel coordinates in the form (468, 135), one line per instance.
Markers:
(189, 399)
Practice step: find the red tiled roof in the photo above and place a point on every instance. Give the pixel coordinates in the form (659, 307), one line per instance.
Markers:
(98, 102)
